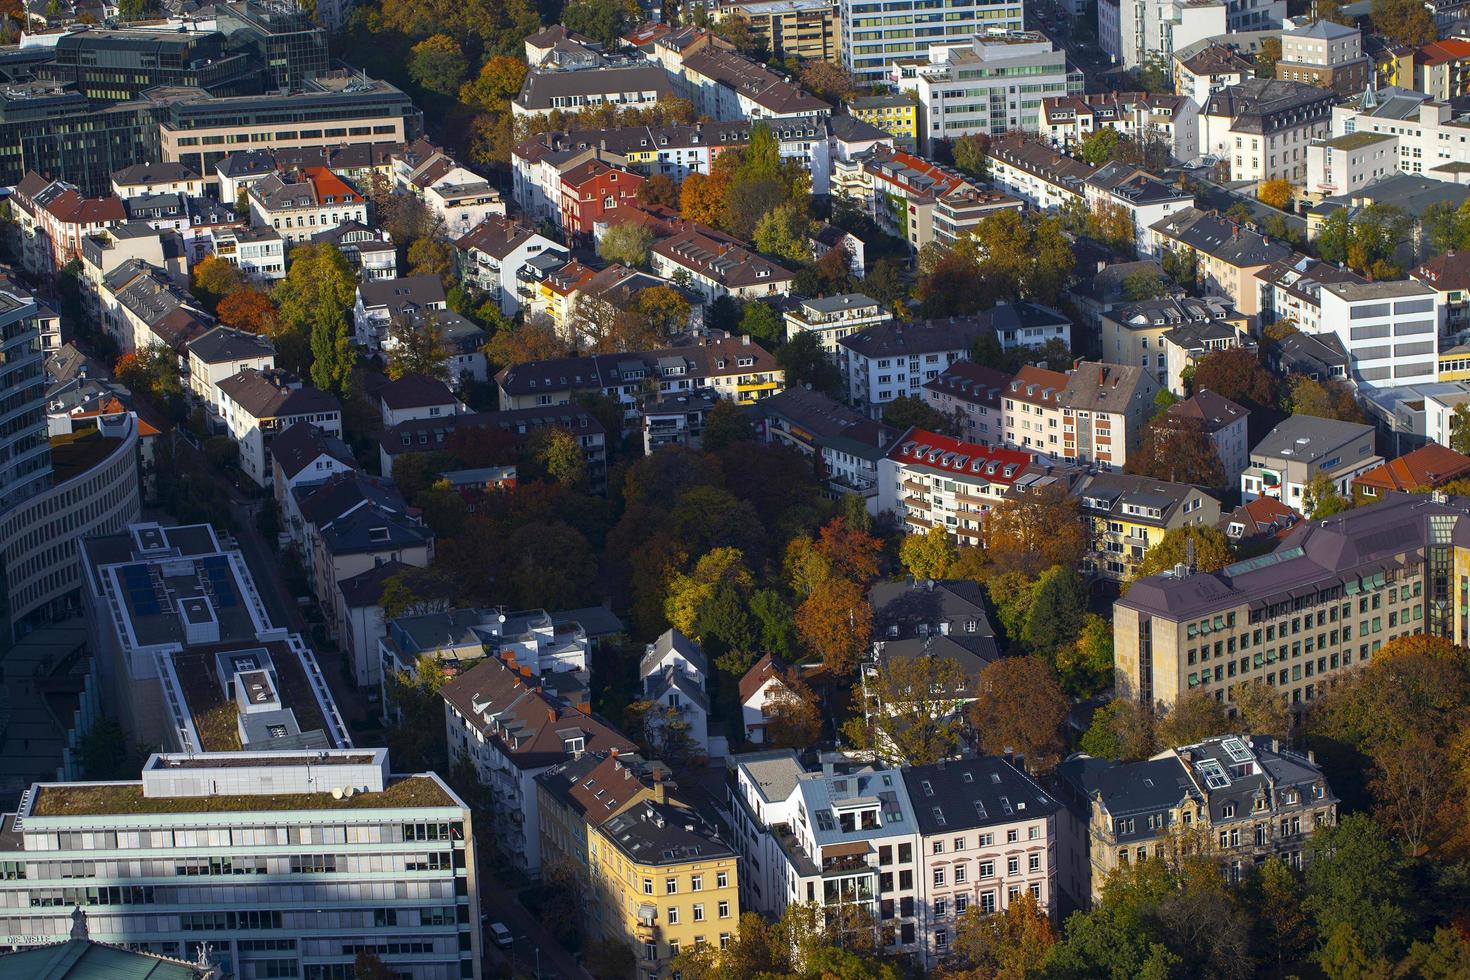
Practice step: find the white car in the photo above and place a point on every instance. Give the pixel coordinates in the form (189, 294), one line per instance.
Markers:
(500, 934)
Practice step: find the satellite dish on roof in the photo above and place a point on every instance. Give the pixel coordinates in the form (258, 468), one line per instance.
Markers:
(336, 792)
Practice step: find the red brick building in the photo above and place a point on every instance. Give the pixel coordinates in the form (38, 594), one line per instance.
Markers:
(593, 192)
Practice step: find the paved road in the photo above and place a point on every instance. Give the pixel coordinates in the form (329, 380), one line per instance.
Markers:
(500, 904)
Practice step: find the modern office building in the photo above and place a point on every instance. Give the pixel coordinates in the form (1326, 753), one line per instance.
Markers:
(1391, 329)
(279, 864)
(189, 91)
(52, 492)
(189, 652)
(1322, 603)
(992, 83)
(877, 34)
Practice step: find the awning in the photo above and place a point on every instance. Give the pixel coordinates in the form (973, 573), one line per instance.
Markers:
(848, 849)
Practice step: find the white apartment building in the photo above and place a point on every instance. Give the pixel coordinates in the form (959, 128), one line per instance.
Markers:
(916, 847)
(1264, 126)
(1145, 199)
(1291, 289)
(492, 255)
(841, 836)
(892, 360)
(529, 641)
(510, 733)
(991, 84)
(256, 405)
(878, 33)
(338, 856)
(1037, 172)
(1344, 164)
(988, 833)
(1131, 32)
(258, 252)
(1390, 329)
(223, 353)
(1439, 413)
(1067, 120)
(1431, 141)
(833, 317)
(300, 204)
(927, 480)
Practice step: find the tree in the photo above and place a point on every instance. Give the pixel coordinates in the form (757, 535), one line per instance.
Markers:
(1446, 227)
(911, 710)
(1262, 708)
(1033, 531)
(1099, 146)
(659, 189)
(247, 308)
(702, 197)
(437, 64)
(1404, 21)
(1121, 938)
(1357, 879)
(763, 323)
(416, 346)
(1193, 717)
(1327, 399)
(807, 365)
(749, 199)
(313, 300)
(793, 720)
(972, 156)
(601, 20)
(1237, 374)
(1019, 707)
(533, 340)
(500, 80)
(1460, 429)
(215, 278)
(909, 410)
(432, 257)
(547, 564)
(626, 243)
(835, 622)
(368, 966)
(1018, 257)
(665, 310)
(331, 351)
(1058, 606)
(1321, 499)
(1009, 945)
(1086, 667)
(785, 232)
(1211, 550)
(562, 456)
(1177, 449)
(1276, 193)
(612, 959)
(417, 591)
(1283, 932)
(419, 738)
(688, 592)
(1122, 729)
(1266, 59)
(1367, 241)
(1143, 284)
(826, 80)
(928, 555)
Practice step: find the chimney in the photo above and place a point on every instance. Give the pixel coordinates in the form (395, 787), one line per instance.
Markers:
(550, 713)
(660, 792)
(613, 752)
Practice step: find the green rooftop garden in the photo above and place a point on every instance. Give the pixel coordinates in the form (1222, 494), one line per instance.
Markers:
(121, 798)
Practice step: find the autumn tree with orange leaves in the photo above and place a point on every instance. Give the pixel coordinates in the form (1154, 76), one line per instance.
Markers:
(247, 308)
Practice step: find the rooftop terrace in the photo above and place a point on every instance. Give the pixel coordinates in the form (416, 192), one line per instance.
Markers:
(102, 799)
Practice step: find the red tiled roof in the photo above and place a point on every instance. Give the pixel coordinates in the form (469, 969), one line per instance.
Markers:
(1441, 52)
(761, 671)
(1032, 383)
(1428, 466)
(920, 447)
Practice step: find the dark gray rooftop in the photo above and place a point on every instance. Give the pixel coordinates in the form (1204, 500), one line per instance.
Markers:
(965, 794)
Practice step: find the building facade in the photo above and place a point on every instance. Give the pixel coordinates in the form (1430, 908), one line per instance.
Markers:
(232, 852)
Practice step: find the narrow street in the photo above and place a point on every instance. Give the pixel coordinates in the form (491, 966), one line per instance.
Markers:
(500, 904)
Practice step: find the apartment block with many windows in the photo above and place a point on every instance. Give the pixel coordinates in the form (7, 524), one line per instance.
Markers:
(1240, 798)
(1299, 618)
(280, 863)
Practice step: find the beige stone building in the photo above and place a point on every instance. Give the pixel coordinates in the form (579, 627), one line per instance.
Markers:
(1298, 619)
